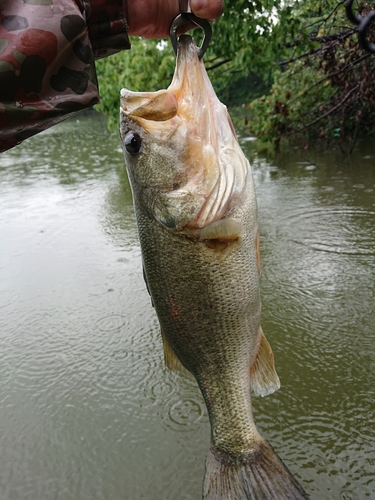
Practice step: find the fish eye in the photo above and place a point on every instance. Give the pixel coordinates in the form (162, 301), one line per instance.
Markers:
(133, 143)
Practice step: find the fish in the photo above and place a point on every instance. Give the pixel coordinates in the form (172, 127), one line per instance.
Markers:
(196, 211)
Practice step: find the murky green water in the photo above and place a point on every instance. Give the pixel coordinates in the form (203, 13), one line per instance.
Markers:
(88, 411)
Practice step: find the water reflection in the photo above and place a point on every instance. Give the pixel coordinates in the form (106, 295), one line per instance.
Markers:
(318, 228)
(88, 409)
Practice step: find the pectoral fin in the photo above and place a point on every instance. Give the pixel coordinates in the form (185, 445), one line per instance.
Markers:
(220, 234)
(263, 376)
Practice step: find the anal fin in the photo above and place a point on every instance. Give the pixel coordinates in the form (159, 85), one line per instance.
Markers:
(263, 377)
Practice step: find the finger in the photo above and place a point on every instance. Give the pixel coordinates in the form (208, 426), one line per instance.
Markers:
(185, 28)
(207, 9)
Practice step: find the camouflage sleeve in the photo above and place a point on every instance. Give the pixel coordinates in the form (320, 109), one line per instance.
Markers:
(47, 53)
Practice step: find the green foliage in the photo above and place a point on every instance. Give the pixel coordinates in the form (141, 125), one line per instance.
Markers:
(240, 55)
(324, 90)
(283, 110)
(297, 62)
(143, 68)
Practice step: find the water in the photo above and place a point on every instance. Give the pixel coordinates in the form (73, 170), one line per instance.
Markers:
(88, 410)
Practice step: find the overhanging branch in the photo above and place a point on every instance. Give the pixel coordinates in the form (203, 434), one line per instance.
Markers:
(218, 64)
(332, 110)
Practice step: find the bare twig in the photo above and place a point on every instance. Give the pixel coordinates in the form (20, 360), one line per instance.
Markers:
(329, 15)
(335, 36)
(316, 109)
(354, 138)
(297, 58)
(332, 110)
(218, 64)
(348, 67)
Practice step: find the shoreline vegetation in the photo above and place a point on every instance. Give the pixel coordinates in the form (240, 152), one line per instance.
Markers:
(295, 69)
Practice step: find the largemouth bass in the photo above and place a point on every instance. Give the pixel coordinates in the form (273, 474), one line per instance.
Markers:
(196, 212)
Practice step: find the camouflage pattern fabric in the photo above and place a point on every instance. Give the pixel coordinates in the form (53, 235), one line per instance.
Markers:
(47, 53)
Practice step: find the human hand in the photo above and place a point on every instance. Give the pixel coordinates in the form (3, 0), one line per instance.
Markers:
(152, 18)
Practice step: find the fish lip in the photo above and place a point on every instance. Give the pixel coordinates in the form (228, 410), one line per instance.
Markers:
(159, 106)
(216, 170)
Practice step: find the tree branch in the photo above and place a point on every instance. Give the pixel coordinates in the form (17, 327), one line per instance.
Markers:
(335, 36)
(218, 64)
(297, 58)
(332, 110)
(330, 75)
(329, 15)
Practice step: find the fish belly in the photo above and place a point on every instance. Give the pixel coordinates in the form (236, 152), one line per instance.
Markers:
(208, 305)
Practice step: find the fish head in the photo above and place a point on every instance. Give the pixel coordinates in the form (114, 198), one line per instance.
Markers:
(182, 155)
(153, 141)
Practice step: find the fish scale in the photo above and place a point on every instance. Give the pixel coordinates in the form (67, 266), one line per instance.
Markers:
(196, 213)
(190, 333)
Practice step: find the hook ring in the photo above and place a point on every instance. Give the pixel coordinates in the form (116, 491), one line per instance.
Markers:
(362, 32)
(187, 17)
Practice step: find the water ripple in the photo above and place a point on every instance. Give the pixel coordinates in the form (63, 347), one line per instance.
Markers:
(111, 323)
(184, 411)
(100, 289)
(88, 409)
(341, 230)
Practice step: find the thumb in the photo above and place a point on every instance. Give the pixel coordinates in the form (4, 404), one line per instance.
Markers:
(207, 9)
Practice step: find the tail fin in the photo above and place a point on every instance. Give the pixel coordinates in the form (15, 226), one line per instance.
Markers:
(262, 476)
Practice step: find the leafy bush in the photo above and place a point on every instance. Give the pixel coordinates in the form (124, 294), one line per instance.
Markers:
(299, 60)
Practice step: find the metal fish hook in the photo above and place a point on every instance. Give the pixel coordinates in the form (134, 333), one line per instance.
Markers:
(363, 22)
(188, 17)
(363, 30)
(350, 14)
